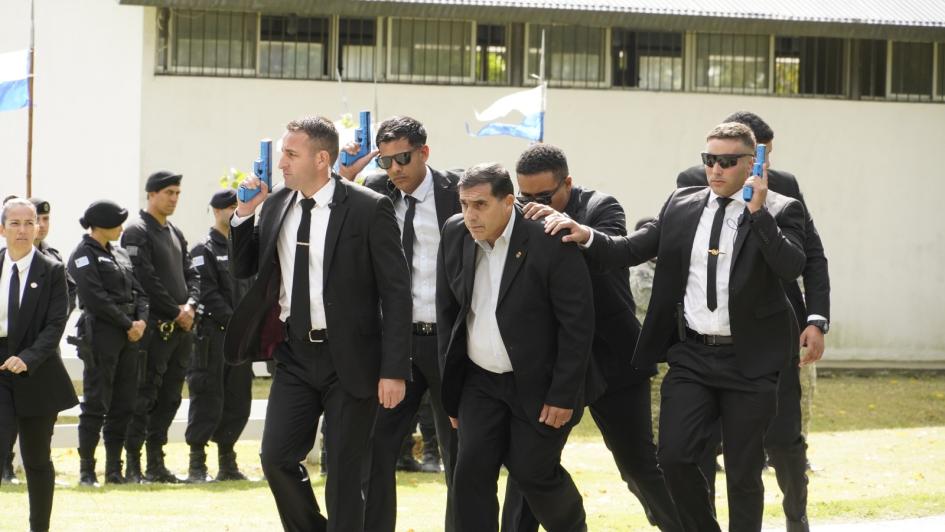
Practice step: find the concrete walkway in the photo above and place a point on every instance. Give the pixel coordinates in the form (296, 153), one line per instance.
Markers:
(923, 524)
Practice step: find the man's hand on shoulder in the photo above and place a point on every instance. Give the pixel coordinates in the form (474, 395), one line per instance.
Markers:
(536, 211)
(579, 234)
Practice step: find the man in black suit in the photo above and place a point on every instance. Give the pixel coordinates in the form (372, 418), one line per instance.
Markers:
(424, 199)
(330, 265)
(516, 315)
(719, 317)
(622, 412)
(34, 385)
(784, 440)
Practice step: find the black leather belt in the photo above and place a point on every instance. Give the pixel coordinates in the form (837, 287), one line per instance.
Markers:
(710, 339)
(422, 328)
(316, 336)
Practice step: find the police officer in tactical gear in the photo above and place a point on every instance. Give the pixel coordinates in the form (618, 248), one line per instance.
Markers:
(114, 316)
(162, 265)
(220, 395)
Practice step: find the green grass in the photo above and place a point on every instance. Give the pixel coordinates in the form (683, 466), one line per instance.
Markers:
(883, 461)
(260, 388)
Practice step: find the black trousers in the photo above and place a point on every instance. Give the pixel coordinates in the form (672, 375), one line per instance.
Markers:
(304, 386)
(390, 429)
(703, 387)
(220, 395)
(159, 387)
(35, 438)
(786, 449)
(109, 387)
(494, 429)
(624, 417)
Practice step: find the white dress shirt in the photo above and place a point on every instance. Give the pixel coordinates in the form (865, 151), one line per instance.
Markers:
(285, 246)
(698, 316)
(23, 266)
(485, 346)
(426, 227)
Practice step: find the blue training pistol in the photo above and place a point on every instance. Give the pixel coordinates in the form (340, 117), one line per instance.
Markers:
(262, 168)
(758, 169)
(362, 135)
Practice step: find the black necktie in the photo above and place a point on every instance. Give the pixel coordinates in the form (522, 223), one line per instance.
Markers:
(710, 297)
(300, 316)
(13, 307)
(408, 235)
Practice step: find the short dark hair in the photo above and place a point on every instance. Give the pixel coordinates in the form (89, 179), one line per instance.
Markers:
(498, 178)
(540, 158)
(763, 132)
(735, 131)
(402, 127)
(319, 130)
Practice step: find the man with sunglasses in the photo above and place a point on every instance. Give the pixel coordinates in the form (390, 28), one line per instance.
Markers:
(622, 412)
(424, 199)
(719, 317)
(785, 443)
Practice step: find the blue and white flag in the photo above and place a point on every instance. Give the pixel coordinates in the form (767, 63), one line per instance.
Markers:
(14, 80)
(528, 102)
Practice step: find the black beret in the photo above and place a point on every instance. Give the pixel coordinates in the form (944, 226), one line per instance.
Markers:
(105, 214)
(223, 199)
(161, 180)
(42, 206)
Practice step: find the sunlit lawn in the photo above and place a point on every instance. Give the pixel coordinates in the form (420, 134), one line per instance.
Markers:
(878, 442)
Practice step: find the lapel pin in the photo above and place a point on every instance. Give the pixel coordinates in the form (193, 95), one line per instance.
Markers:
(518, 254)
(33, 285)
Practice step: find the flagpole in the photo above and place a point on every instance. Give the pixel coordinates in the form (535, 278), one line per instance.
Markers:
(29, 135)
(541, 81)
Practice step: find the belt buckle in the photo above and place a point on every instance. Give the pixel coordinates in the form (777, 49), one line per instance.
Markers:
(314, 340)
(425, 328)
(166, 327)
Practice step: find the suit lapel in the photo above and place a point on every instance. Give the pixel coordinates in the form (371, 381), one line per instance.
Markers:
(514, 258)
(33, 285)
(445, 202)
(336, 219)
(692, 212)
(741, 234)
(469, 266)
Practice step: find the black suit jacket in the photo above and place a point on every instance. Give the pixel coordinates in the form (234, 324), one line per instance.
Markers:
(545, 313)
(769, 248)
(45, 388)
(365, 277)
(816, 296)
(445, 192)
(616, 328)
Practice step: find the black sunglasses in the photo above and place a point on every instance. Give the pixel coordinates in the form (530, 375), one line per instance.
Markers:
(542, 197)
(386, 161)
(725, 161)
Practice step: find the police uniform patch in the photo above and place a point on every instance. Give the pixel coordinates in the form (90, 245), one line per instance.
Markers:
(132, 251)
(81, 262)
(105, 259)
(198, 261)
(223, 257)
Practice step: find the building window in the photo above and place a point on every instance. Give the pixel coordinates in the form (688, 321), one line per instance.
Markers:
(808, 66)
(213, 43)
(911, 70)
(357, 48)
(647, 60)
(492, 54)
(430, 50)
(732, 63)
(940, 62)
(870, 63)
(293, 47)
(574, 55)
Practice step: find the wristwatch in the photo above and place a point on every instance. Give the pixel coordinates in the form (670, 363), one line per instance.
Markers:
(823, 325)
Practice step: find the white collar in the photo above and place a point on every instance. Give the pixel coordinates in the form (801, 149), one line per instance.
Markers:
(21, 265)
(423, 189)
(323, 196)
